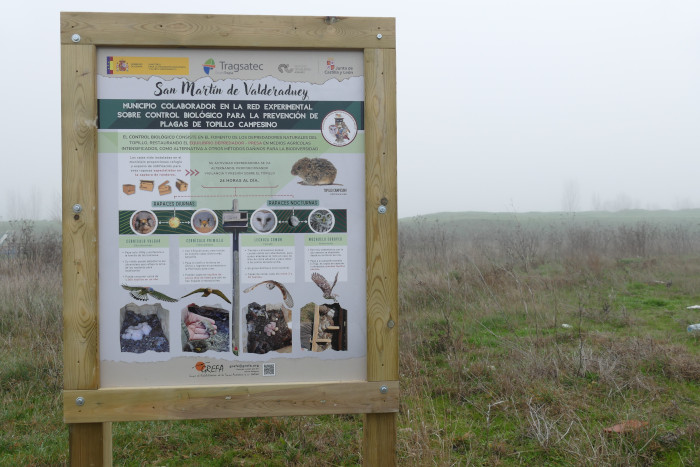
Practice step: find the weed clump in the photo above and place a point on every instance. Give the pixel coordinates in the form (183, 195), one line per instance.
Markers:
(522, 344)
(521, 341)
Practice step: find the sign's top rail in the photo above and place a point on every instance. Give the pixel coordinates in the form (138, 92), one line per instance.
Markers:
(172, 30)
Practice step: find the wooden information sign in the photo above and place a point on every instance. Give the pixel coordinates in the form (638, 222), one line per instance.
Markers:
(230, 229)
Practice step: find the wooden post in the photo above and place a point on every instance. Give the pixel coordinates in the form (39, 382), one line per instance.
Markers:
(379, 447)
(90, 444)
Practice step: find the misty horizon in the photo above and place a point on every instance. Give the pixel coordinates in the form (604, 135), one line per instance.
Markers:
(537, 107)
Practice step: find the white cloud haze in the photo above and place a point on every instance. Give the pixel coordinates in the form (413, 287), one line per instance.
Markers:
(502, 105)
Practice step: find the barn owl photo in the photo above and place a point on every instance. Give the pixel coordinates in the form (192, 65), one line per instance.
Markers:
(263, 221)
(270, 284)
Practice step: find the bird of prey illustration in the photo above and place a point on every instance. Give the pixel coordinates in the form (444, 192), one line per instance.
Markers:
(270, 284)
(205, 291)
(325, 286)
(142, 293)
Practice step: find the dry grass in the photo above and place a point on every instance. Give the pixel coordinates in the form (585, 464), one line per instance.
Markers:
(30, 347)
(488, 374)
(483, 347)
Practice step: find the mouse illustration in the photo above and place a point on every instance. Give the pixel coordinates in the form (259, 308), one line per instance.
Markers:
(314, 171)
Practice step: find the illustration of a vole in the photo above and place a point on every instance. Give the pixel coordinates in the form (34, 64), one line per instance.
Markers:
(315, 171)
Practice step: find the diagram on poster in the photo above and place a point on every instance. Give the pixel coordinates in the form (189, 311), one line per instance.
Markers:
(232, 224)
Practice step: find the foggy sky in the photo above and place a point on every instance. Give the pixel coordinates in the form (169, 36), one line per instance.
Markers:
(502, 106)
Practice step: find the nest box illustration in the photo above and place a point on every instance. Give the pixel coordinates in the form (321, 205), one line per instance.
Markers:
(146, 185)
(165, 188)
(181, 185)
(323, 327)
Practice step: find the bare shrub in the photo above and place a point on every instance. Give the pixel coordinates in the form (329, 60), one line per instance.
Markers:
(24, 246)
(637, 240)
(488, 368)
(519, 247)
(547, 431)
(30, 282)
(587, 240)
(677, 239)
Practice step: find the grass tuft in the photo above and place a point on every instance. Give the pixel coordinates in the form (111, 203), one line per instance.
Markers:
(521, 341)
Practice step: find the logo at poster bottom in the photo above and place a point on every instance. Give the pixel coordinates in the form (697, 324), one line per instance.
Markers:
(339, 128)
(206, 367)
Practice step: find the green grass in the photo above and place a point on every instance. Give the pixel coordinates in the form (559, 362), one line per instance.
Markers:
(513, 386)
(488, 374)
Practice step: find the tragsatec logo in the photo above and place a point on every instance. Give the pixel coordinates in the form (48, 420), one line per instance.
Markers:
(208, 65)
(230, 68)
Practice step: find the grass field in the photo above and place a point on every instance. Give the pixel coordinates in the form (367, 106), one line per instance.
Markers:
(523, 337)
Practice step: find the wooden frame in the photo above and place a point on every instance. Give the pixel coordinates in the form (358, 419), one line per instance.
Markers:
(378, 397)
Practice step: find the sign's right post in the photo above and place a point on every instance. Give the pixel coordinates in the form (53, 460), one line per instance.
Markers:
(379, 445)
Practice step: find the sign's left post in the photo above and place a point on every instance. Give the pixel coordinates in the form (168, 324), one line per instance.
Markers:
(89, 443)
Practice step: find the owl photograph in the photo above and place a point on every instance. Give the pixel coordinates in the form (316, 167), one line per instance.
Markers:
(325, 286)
(263, 221)
(321, 220)
(270, 284)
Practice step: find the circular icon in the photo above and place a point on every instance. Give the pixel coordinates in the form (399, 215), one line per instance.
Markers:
(143, 222)
(204, 221)
(263, 221)
(339, 128)
(321, 220)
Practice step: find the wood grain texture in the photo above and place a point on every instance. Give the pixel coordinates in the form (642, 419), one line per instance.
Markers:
(168, 30)
(107, 444)
(89, 444)
(202, 402)
(379, 444)
(379, 435)
(382, 229)
(86, 447)
(79, 151)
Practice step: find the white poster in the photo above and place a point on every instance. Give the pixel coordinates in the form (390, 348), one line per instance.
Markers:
(232, 224)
